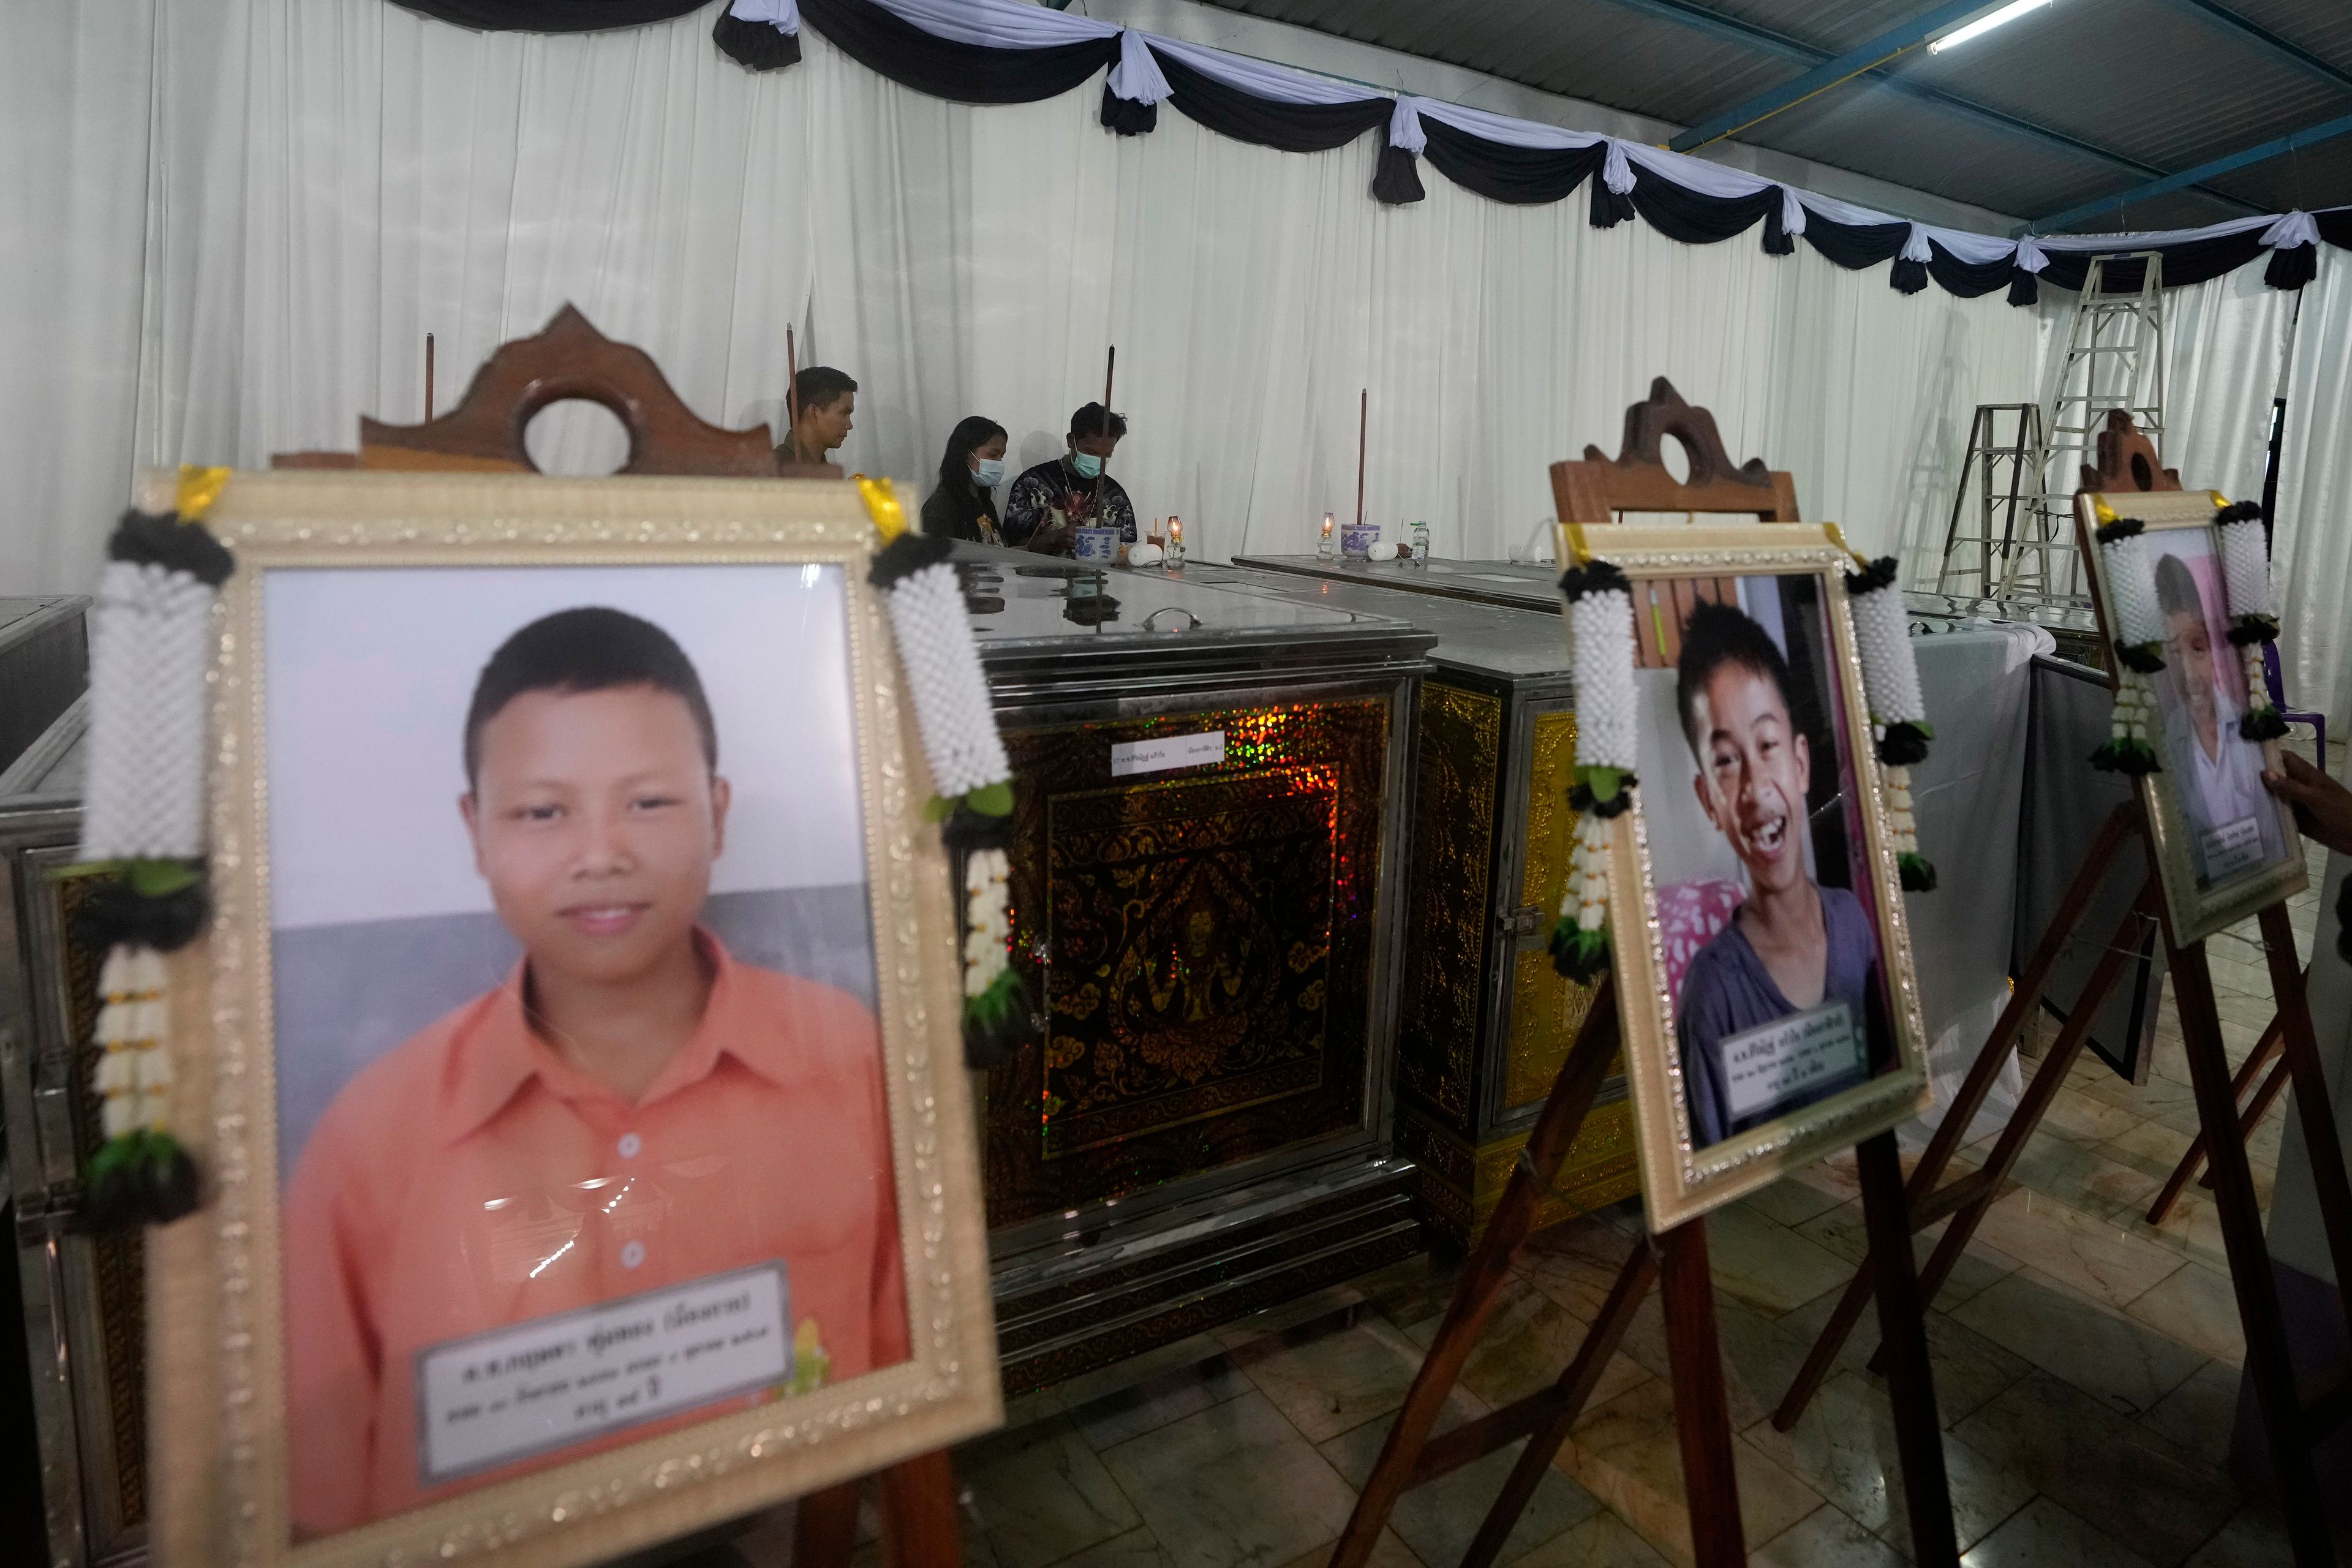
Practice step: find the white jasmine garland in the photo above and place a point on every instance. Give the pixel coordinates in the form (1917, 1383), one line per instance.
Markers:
(2246, 567)
(149, 644)
(1601, 633)
(2131, 583)
(943, 674)
(1890, 671)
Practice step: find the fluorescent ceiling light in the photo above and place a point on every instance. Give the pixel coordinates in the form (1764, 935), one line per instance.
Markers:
(1985, 23)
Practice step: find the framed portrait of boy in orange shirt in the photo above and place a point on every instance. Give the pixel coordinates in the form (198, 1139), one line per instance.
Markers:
(584, 999)
(1756, 914)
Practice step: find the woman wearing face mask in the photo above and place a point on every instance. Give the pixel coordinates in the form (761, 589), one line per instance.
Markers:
(964, 505)
(1053, 500)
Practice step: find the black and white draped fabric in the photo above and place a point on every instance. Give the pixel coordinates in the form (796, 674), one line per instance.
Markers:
(1003, 51)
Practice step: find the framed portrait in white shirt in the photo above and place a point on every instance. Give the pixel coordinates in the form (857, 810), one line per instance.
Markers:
(2225, 847)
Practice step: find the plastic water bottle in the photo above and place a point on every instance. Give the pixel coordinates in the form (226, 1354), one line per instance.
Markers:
(1421, 544)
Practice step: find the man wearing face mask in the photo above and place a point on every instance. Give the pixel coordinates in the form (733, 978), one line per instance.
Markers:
(1053, 500)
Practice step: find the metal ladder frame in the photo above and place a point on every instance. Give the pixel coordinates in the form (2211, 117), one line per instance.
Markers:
(2115, 351)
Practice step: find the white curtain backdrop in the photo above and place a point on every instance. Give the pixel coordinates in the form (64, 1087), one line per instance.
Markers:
(2312, 544)
(249, 213)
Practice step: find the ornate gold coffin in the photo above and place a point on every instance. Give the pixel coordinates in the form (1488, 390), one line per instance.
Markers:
(1483, 1021)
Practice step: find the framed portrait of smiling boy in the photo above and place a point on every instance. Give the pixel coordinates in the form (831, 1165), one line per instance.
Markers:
(583, 1076)
(2225, 848)
(1756, 922)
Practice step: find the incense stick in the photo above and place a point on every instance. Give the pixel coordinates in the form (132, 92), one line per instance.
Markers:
(1363, 419)
(428, 378)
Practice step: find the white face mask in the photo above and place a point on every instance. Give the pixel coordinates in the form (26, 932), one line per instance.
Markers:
(990, 473)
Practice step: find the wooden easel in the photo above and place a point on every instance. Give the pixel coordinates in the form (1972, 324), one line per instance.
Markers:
(2295, 1417)
(1592, 491)
(570, 359)
(1965, 1201)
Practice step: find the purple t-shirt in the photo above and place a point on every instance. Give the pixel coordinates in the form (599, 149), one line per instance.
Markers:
(1726, 990)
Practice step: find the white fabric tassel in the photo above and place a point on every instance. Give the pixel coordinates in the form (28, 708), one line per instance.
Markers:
(1601, 638)
(950, 695)
(150, 644)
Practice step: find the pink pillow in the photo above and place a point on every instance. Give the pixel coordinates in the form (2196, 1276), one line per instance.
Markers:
(1689, 914)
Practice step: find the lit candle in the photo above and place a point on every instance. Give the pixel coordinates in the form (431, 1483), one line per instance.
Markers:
(1326, 547)
(1174, 557)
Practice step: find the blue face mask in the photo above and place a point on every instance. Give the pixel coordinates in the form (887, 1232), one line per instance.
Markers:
(990, 473)
(1087, 463)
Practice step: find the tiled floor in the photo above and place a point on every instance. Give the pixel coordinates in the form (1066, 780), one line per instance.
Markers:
(2087, 1366)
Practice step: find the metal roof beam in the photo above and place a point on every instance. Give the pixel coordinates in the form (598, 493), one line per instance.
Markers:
(1698, 19)
(2325, 130)
(2293, 53)
(1827, 75)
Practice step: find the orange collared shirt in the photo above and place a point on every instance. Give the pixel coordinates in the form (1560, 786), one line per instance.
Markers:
(473, 1179)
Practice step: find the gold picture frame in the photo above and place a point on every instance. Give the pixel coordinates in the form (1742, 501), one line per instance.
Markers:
(1683, 1177)
(2193, 912)
(217, 1296)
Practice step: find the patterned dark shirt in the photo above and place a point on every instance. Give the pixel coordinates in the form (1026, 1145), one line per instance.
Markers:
(1051, 487)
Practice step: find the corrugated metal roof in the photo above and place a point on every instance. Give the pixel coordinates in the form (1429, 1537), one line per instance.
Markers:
(2084, 99)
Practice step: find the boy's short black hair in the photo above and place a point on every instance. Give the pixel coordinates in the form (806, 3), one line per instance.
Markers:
(2176, 588)
(586, 649)
(1717, 634)
(1094, 419)
(820, 386)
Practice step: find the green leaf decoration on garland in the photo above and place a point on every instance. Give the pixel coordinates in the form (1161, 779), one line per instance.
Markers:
(991, 800)
(1577, 955)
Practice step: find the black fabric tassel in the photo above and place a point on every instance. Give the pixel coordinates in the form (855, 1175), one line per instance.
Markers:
(1610, 207)
(161, 539)
(906, 555)
(1592, 577)
(1580, 798)
(2140, 657)
(2122, 527)
(2252, 629)
(2264, 723)
(754, 45)
(1127, 117)
(1908, 277)
(115, 912)
(1778, 240)
(1879, 573)
(2290, 268)
(2024, 287)
(1398, 180)
(169, 1186)
(2239, 511)
(966, 830)
(1904, 745)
